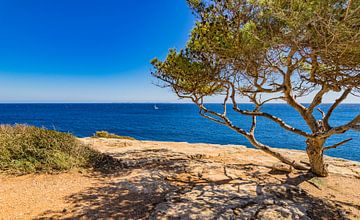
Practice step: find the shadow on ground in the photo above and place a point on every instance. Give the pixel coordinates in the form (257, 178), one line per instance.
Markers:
(164, 184)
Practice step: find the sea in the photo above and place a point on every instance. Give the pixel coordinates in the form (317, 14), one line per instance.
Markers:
(179, 122)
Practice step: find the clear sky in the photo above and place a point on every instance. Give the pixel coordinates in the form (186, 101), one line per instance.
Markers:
(87, 50)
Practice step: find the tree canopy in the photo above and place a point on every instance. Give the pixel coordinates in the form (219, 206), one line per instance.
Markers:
(268, 50)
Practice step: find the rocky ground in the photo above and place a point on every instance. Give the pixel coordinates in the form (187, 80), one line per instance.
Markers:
(163, 180)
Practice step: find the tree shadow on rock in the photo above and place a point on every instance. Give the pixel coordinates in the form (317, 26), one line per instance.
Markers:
(131, 185)
(137, 185)
(160, 159)
(248, 198)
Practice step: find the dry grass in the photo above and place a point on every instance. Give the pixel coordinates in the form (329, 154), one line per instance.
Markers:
(28, 149)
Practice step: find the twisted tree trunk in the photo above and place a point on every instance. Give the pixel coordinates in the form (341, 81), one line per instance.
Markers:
(315, 152)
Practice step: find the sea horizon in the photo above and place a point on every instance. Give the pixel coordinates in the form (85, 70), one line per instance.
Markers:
(153, 102)
(176, 122)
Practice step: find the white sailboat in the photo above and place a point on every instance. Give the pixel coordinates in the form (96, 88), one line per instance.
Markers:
(155, 107)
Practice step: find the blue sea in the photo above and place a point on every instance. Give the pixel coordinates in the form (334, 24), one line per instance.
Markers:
(177, 122)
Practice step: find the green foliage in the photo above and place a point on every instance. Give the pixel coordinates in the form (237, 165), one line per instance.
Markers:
(105, 134)
(28, 149)
(187, 75)
(328, 26)
(235, 40)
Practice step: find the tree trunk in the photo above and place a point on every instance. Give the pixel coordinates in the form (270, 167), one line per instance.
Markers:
(315, 153)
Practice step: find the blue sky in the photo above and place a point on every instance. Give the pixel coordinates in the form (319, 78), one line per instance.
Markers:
(88, 50)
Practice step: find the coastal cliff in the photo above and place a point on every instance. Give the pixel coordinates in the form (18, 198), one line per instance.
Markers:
(161, 180)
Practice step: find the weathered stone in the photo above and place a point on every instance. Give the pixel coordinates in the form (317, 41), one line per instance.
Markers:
(268, 202)
(281, 167)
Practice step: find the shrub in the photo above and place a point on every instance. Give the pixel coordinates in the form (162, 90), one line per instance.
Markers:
(105, 134)
(28, 149)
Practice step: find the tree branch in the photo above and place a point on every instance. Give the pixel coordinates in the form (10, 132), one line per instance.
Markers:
(341, 129)
(317, 99)
(226, 121)
(334, 105)
(275, 119)
(348, 9)
(337, 145)
(250, 136)
(275, 153)
(322, 113)
(289, 98)
(355, 127)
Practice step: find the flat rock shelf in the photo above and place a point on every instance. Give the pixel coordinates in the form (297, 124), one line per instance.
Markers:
(165, 180)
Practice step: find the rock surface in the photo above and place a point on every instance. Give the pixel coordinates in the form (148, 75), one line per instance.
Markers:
(166, 180)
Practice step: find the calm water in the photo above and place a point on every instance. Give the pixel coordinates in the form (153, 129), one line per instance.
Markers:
(175, 122)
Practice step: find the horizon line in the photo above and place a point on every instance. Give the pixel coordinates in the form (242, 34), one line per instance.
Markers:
(153, 102)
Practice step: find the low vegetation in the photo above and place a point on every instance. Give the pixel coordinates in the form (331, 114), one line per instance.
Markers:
(105, 134)
(28, 149)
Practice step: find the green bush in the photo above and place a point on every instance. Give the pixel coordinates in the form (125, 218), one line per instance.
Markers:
(105, 134)
(28, 149)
